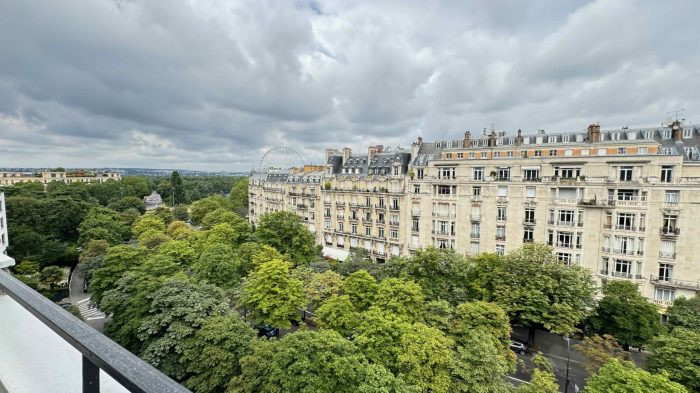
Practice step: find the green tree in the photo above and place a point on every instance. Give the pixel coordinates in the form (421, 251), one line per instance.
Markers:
(102, 224)
(211, 357)
(217, 265)
(536, 289)
(152, 239)
(403, 298)
(321, 286)
(180, 213)
(119, 259)
(178, 191)
(164, 213)
(27, 268)
(146, 223)
(128, 202)
(223, 216)
(287, 234)
(202, 207)
(179, 230)
(540, 382)
(598, 350)
(439, 314)
(339, 314)
(177, 312)
(272, 296)
(94, 249)
(239, 196)
(361, 287)
(684, 313)
(424, 358)
(441, 273)
(626, 315)
(309, 361)
(178, 251)
(625, 377)
(472, 316)
(51, 275)
(480, 364)
(379, 336)
(678, 354)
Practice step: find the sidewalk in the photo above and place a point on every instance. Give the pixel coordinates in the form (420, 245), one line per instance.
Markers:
(90, 313)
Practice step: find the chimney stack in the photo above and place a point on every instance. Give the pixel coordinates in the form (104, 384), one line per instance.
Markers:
(372, 150)
(346, 154)
(593, 133)
(677, 131)
(467, 139)
(519, 138)
(492, 138)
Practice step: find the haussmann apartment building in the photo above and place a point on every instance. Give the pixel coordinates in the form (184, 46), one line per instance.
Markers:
(624, 203)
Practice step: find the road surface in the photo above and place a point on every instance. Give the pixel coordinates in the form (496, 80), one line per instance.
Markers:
(90, 313)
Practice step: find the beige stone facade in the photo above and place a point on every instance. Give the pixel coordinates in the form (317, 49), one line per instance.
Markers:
(623, 203)
(46, 177)
(5, 261)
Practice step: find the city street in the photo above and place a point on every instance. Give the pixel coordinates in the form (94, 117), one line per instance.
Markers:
(90, 313)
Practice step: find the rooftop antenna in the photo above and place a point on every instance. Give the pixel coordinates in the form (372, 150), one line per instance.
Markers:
(675, 113)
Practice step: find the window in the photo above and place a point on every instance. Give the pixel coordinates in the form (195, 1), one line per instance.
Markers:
(368, 201)
(531, 174)
(564, 257)
(503, 174)
(444, 190)
(625, 221)
(474, 248)
(420, 173)
(622, 268)
(568, 173)
(669, 223)
(500, 249)
(671, 197)
(665, 272)
(394, 219)
(500, 232)
(394, 204)
(530, 192)
(568, 153)
(687, 132)
(478, 173)
(416, 188)
(530, 215)
(484, 155)
(340, 226)
(381, 232)
(564, 239)
(497, 154)
(353, 229)
(550, 238)
(648, 134)
(510, 154)
(666, 173)
(460, 155)
(664, 294)
(471, 155)
(501, 213)
(626, 173)
(602, 152)
(565, 138)
(552, 152)
(326, 212)
(476, 191)
(446, 173)
(476, 230)
(538, 153)
(414, 224)
(666, 134)
(621, 150)
(394, 233)
(551, 139)
(668, 249)
(566, 217)
(449, 155)
(528, 235)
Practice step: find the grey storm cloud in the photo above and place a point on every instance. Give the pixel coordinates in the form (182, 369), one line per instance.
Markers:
(214, 84)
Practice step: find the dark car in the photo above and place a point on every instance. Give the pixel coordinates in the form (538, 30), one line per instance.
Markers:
(267, 331)
(518, 347)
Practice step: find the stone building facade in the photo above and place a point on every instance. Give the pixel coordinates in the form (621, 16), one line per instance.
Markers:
(5, 261)
(46, 177)
(622, 203)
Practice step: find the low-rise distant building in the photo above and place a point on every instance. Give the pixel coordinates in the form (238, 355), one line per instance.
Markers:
(153, 201)
(5, 261)
(46, 177)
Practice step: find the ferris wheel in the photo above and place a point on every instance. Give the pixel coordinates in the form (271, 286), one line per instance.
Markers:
(280, 157)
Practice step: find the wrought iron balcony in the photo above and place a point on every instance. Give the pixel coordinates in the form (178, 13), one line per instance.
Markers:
(672, 282)
(69, 338)
(670, 231)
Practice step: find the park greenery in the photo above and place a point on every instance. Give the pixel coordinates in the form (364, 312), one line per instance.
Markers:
(189, 289)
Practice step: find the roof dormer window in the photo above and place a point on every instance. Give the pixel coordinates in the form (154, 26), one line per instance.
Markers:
(687, 132)
(551, 139)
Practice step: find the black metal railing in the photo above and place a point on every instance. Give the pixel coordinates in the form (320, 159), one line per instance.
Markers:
(99, 352)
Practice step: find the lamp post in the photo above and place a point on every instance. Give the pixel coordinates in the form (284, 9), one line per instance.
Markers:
(566, 383)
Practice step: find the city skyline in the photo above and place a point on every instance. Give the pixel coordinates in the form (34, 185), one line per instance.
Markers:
(311, 75)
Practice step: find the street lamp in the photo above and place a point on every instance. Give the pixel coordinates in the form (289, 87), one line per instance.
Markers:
(566, 383)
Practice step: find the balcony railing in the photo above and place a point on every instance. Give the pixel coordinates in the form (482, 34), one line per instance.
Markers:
(529, 222)
(475, 217)
(667, 255)
(501, 237)
(474, 235)
(670, 231)
(98, 352)
(695, 285)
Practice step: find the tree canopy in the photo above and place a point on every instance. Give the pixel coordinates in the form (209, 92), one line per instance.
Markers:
(285, 232)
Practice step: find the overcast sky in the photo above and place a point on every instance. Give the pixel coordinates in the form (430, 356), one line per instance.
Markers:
(213, 85)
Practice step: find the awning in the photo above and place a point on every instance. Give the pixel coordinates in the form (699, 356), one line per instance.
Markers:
(335, 253)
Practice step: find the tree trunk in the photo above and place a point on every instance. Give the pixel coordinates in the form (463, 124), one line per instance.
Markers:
(531, 336)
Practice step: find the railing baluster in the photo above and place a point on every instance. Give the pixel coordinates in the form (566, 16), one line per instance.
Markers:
(91, 377)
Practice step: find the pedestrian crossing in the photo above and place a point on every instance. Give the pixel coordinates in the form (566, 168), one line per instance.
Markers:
(88, 310)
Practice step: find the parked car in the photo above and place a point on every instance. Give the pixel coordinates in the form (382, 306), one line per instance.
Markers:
(518, 347)
(267, 331)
